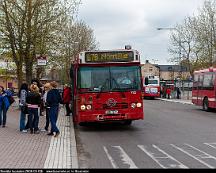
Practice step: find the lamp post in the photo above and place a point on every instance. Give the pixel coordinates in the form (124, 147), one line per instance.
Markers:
(179, 44)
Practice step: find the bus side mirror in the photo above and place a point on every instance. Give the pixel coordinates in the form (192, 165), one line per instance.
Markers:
(146, 81)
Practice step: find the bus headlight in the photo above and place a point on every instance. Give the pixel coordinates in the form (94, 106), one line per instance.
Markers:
(139, 105)
(88, 107)
(133, 105)
(82, 107)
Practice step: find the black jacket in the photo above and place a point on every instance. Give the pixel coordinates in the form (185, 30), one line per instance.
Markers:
(53, 97)
(33, 98)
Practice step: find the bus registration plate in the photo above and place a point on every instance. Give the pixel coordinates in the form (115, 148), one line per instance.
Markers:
(111, 112)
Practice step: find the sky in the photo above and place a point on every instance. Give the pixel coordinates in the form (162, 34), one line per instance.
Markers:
(117, 23)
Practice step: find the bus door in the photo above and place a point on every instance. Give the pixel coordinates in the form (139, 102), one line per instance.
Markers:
(196, 88)
(200, 91)
(214, 82)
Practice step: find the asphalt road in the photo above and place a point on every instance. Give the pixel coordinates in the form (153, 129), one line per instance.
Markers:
(172, 135)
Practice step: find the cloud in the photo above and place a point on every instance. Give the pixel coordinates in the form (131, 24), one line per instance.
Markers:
(116, 23)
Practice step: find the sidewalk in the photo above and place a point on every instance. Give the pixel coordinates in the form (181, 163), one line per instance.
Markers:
(183, 101)
(25, 150)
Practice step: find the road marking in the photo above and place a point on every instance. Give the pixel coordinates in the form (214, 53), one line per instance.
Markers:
(213, 145)
(112, 161)
(158, 160)
(125, 158)
(198, 157)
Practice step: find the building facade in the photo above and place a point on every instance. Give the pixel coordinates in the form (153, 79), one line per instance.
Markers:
(165, 72)
(9, 81)
(149, 69)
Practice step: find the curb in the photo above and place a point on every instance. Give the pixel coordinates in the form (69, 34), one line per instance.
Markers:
(175, 101)
(74, 154)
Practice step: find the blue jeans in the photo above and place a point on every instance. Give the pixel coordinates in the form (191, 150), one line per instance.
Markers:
(53, 115)
(22, 120)
(3, 112)
(33, 119)
(47, 119)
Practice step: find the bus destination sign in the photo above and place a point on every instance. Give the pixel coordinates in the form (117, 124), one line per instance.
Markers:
(114, 56)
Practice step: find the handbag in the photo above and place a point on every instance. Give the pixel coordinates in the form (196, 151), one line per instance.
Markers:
(24, 109)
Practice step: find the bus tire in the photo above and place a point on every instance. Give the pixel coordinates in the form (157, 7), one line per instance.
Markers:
(127, 122)
(83, 124)
(205, 104)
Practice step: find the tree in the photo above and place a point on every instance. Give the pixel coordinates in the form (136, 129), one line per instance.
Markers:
(194, 40)
(27, 27)
(73, 38)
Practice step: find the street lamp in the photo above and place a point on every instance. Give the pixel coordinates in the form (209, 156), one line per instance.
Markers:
(179, 41)
(166, 29)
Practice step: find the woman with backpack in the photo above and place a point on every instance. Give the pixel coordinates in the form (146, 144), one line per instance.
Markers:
(4, 106)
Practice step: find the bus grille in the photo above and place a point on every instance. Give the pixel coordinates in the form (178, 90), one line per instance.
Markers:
(117, 106)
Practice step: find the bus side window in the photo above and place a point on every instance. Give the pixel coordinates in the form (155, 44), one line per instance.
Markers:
(196, 81)
(146, 81)
(200, 83)
(208, 80)
(213, 79)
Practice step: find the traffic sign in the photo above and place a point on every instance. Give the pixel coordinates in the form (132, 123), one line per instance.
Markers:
(41, 60)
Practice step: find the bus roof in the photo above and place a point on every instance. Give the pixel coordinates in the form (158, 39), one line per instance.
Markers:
(211, 69)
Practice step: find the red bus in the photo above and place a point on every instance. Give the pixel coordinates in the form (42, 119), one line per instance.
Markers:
(152, 89)
(107, 87)
(204, 88)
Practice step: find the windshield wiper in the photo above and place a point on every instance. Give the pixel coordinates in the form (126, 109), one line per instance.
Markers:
(118, 87)
(98, 95)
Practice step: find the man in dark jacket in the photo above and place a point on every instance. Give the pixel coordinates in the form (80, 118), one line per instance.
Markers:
(53, 101)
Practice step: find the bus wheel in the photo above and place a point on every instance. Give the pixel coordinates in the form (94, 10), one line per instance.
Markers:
(205, 104)
(83, 124)
(127, 122)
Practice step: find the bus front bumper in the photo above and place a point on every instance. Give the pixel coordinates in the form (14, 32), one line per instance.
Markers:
(98, 117)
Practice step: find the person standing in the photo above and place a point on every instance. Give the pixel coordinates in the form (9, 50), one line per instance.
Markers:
(53, 100)
(39, 85)
(4, 106)
(67, 99)
(22, 94)
(33, 100)
(47, 87)
(168, 92)
(178, 93)
(36, 82)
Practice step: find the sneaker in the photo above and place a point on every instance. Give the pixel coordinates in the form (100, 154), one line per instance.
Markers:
(36, 132)
(43, 130)
(3, 125)
(24, 131)
(56, 134)
(50, 134)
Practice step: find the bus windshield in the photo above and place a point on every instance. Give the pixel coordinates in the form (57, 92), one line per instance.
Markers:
(153, 82)
(105, 79)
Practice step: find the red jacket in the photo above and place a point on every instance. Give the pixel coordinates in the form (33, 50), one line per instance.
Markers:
(67, 95)
(168, 91)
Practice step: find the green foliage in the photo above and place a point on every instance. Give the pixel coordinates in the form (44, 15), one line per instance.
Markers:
(29, 28)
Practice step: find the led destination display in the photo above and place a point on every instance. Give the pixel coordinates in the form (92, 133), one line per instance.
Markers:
(116, 56)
